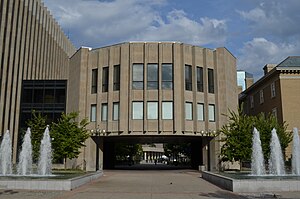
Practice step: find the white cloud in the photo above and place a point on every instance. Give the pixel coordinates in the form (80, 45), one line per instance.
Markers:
(95, 23)
(260, 51)
(274, 17)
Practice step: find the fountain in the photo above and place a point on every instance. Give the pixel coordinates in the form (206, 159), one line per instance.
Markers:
(296, 153)
(276, 179)
(45, 159)
(5, 155)
(276, 163)
(257, 164)
(25, 157)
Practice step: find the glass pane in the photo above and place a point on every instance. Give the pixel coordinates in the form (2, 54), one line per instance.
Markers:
(152, 110)
(116, 111)
(138, 85)
(116, 77)
(167, 110)
(188, 77)
(200, 112)
(211, 81)
(105, 79)
(138, 72)
(104, 112)
(211, 113)
(167, 85)
(199, 79)
(167, 72)
(93, 113)
(152, 85)
(137, 110)
(152, 72)
(49, 96)
(94, 80)
(188, 111)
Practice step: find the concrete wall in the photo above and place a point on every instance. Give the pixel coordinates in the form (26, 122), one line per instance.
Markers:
(178, 54)
(33, 47)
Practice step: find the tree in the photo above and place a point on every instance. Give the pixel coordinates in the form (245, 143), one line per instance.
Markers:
(37, 125)
(68, 136)
(237, 135)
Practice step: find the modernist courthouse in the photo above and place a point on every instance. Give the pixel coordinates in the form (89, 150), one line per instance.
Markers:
(134, 91)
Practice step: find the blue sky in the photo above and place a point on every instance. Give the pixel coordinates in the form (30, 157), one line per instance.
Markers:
(257, 32)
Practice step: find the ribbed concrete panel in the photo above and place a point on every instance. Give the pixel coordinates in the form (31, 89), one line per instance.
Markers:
(33, 47)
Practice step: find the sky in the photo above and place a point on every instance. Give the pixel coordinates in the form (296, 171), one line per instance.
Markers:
(256, 32)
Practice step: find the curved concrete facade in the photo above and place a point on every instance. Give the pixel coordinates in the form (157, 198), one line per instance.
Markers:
(140, 110)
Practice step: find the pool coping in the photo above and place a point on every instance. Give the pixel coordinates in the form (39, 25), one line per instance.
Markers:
(50, 184)
(251, 185)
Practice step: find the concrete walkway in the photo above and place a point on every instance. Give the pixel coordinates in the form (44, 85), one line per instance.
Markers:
(144, 184)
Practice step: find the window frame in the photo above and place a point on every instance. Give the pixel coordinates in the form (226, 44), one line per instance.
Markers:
(133, 116)
(211, 80)
(118, 113)
(163, 111)
(104, 117)
(188, 74)
(198, 113)
(105, 79)
(94, 82)
(214, 113)
(149, 86)
(166, 83)
(200, 82)
(151, 108)
(116, 86)
(261, 96)
(273, 90)
(135, 78)
(93, 113)
(188, 116)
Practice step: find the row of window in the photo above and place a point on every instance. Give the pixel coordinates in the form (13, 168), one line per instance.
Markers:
(152, 111)
(152, 78)
(261, 95)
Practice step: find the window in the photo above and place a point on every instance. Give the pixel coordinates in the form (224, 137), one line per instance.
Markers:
(199, 79)
(116, 77)
(116, 111)
(261, 96)
(104, 112)
(167, 76)
(167, 110)
(188, 77)
(211, 84)
(211, 112)
(200, 112)
(137, 110)
(94, 80)
(188, 111)
(251, 101)
(138, 76)
(93, 113)
(152, 110)
(152, 76)
(105, 79)
(273, 91)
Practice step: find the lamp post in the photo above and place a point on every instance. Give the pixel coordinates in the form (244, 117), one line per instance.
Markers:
(96, 134)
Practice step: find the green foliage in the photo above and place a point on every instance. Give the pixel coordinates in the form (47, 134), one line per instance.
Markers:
(37, 125)
(123, 150)
(174, 149)
(237, 135)
(68, 136)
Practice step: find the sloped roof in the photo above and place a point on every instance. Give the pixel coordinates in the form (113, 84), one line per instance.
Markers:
(292, 61)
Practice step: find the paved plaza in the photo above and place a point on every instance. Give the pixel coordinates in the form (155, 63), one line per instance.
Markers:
(144, 184)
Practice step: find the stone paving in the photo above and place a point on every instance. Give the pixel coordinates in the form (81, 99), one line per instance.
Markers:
(144, 184)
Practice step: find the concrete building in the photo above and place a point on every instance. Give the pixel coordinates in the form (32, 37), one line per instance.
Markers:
(140, 92)
(152, 92)
(32, 47)
(244, 80)
(277, 92)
